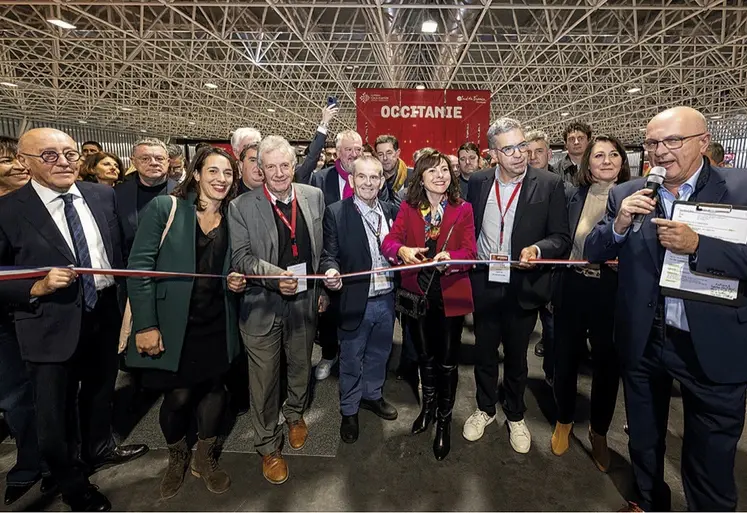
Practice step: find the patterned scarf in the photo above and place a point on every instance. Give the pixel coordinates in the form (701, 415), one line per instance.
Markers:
(399, 181)
(347, 192)
(433, 219)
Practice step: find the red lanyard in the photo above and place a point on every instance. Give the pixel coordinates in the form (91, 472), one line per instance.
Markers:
(292, 225)
(508, 207)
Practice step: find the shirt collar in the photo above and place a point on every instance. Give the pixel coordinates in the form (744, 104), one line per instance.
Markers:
(47, 195)
(274, 199)
(516, 180)
(365, 209)
(693, 181)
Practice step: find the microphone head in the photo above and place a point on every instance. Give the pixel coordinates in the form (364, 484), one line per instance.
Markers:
(656, 175)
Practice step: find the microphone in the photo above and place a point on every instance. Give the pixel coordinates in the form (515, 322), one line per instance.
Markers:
(653, 181)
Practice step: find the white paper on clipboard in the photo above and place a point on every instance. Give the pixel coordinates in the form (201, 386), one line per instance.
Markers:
(717, 221)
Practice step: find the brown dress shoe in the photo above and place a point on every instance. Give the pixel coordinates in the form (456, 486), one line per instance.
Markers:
(632, 507)
(600, 453)
(297, 434)
(274, 468)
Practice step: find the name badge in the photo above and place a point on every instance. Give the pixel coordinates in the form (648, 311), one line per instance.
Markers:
(500, 272)
(299, 269)
(382, 281)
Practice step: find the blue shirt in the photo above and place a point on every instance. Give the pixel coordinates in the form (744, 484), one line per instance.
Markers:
(674, 307)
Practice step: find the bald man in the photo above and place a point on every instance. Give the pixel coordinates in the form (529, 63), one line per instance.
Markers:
(662, 338)
(67, 324)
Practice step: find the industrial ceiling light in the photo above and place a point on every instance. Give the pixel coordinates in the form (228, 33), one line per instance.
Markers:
(420, 86)
(564, 114)
(8, 84)
(210, 85)
(143, 130)
(125, 109)
(634, 90)
(191, 123)
(82, 122)
(270, 110)
(61, 23)
(429, 26)
(715, 117)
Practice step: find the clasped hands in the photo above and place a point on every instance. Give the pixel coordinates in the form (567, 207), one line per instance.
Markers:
(411, 256)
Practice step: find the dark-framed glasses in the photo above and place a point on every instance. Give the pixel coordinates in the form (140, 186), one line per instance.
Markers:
(510, 150)
(51, 156)
(671, 143)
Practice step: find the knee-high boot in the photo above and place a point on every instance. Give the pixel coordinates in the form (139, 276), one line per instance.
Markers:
(428, 407)
(447, 378)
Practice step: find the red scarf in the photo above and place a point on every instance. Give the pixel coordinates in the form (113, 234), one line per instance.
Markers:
(347, 192)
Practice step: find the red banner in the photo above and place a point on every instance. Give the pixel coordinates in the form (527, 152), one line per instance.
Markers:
(441, 119)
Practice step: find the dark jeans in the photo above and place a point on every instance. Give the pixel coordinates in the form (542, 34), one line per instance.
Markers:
(714, 419)
(88, 378)
(548, 340)
(17, 402)
(594, 315)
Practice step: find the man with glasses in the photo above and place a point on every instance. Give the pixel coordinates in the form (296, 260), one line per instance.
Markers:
(67, 323)
(469, 162)
(151, 160)
(520, 215)
(661, 338)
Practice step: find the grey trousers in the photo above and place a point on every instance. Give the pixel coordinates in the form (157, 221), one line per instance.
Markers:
(293, 333)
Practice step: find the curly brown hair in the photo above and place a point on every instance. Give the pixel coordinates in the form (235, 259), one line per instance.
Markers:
(416, 191)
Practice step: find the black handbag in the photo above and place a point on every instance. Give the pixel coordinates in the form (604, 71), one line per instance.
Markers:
(411, 304)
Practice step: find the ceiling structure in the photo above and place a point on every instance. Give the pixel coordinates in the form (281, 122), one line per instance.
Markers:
(134, 65)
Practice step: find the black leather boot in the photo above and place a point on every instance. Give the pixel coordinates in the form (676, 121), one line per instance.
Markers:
(447, 383)
(428, 409)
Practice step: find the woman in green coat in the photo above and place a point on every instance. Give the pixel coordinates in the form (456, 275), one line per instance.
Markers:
(185, 330)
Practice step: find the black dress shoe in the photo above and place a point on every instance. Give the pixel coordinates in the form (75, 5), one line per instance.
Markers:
(349, 428)
(539, 349)
(49, 486)
(121, 454)
(380, 407)
(15, 492)
(89, 500)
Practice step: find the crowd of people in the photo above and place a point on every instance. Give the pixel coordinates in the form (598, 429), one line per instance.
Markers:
(241, 319)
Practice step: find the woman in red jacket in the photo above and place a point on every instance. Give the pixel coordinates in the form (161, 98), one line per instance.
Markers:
(435, 224)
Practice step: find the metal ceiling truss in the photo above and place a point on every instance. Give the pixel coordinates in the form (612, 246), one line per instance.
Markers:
(137, 66)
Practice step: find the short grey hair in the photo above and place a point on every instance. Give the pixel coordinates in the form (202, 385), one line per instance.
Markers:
(241, 133)
(275, 143)
(347, 134)
(175, 151)
(501, 126)
(537, 135)
(366, 159)
(149, 141)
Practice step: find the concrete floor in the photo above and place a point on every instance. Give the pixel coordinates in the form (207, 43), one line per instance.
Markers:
(388, 469)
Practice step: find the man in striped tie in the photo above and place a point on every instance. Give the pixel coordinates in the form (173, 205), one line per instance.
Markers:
(67, 323)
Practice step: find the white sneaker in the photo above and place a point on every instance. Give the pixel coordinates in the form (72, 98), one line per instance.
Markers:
(475, 426)
(324, 368)
(521, 439)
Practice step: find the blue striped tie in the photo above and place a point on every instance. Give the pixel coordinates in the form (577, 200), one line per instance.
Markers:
(81, 249)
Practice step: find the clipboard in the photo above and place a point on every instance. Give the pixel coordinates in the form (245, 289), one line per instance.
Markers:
(732, 216)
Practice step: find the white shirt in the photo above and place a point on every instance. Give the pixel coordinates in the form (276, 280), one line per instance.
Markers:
(488, 241)
(56, 207)
(274, 199)
(342, 181)
(371, 217)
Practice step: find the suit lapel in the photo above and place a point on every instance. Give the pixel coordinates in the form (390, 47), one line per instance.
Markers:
(303, 205)
(575, 207)
(332, 186)
(264, 211)
(130, 203)
(358, 230)
(93, 200)
(486, 187)
(451, 214)
(38, 216)
(525, 195)
(714, 189)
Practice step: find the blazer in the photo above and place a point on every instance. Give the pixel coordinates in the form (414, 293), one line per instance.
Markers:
(346, 249)
(48, 328)
(126, 192)
(541, 219)
(409, 230)
(576, 198)
(164, 303)
(328, 180)
(719, 333)
(254, 239)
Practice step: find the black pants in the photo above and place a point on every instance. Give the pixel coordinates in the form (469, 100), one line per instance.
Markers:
(436, 337)
(206, 401)
(714, 418)
(498, 318)
(88, 377)
(587, 307)
(327, 329)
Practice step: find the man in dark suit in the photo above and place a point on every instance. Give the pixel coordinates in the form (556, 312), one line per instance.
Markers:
(67, 324)
(520, 214)
(365, 319)
(151, 160)
(663, 338)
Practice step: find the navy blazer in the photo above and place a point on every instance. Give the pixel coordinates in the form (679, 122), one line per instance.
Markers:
(719, 333)
(328, 180)
(346, 249)
(48, 329)
(127, 209)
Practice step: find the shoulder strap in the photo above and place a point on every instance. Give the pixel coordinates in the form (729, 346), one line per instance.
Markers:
(172, 213)
(448, 236)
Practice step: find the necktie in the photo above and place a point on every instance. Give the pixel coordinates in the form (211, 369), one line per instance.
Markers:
(81, 250)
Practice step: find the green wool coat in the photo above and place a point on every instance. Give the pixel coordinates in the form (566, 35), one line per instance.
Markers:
(164, 302)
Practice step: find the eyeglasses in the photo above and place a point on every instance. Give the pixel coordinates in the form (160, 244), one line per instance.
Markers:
(510, 150)
(51, 156)
(670, 143)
